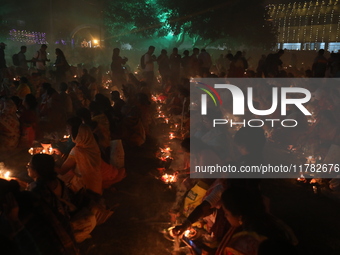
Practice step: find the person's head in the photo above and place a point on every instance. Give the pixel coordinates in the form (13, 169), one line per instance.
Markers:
(23, 80)
(186, 53)
(186, 144)
(84, 114)
(175, 50)
(143, 99)
(281, 52)
(203, 50)
(72, 126)
(63, 86)
(229, 56)
(195, 51)
(43, 47)
(250, 140)
(2, 45)
(116, 51)
(45, 86)
(59, 52)
(102, 101)
(164, 52)
(51, 91)
(94, 108)
(321, 52)
(23, 49)
(242, 206)
(115, 95)
(30, 102)
(151, 49)
(41, 167)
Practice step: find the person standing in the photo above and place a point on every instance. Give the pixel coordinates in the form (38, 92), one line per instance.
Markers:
(164, 67)
(61, 66)
(3, 67)
(194, 63)
(205, 63)
(117, 69)
(185, 63)
(23, 66)
(175, 65)
(320, 64)
(148, 65)
(40, 59)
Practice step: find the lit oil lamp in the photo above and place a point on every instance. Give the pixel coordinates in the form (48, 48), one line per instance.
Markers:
(169, 178)
(66, 136)
(167, 120)
(171, 135)
(31, 151)
(301, 179)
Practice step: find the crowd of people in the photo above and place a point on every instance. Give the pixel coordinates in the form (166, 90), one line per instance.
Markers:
(47, 215)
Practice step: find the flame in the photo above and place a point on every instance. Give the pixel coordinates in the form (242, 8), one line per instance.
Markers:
(168, 178)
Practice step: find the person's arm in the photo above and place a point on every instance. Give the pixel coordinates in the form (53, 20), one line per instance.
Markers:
(69, 164)
(202, 210)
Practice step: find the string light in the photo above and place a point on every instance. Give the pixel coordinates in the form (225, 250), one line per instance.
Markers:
(27, 36)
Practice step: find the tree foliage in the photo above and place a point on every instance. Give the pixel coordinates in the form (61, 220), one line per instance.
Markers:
(132, 18)
(243, 21)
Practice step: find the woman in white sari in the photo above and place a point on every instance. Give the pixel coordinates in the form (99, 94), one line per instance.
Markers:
(82, 168)
(9, 126)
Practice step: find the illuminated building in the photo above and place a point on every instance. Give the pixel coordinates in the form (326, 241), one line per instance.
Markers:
(309, 25)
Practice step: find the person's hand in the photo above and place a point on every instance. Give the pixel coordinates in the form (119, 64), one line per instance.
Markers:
(179, 230)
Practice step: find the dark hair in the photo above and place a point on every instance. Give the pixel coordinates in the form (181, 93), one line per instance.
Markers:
(95, 107)
(252, 138)
(75, 123)
(63, 86)
(103, 102)
(84, 114)
(59, 52)
(243, 202)
(151, 47)
(186, 144)
(23, 47)
(16, 100)
(43, 46)
(115, 94)
(51, 91)
(46, 85)
(23, 79)
(31, 101)
(43, 164)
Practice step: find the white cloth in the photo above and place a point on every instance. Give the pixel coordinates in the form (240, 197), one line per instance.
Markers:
(41, 56)
(88, 161)
(149, 66)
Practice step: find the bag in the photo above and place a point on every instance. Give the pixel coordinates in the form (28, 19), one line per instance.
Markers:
(142, 62)
(194, 197)
(15, 59)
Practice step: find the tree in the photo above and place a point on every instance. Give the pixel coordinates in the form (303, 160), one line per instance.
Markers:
(203, 22)
(236, 20)
(132, 20)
